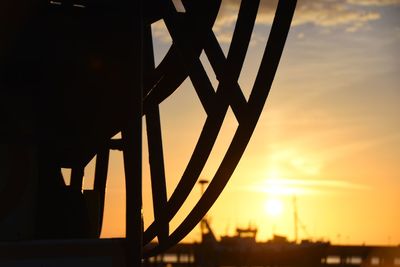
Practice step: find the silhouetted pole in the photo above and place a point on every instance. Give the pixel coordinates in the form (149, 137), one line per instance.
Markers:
(296, 219)
(203, 183)
(100, 182)
(132, 134)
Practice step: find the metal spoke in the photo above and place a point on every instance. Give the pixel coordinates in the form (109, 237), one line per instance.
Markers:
(156, 156)
(189, 48)
(100, 179)
(263, 83)
(158, 184)
(77, 178)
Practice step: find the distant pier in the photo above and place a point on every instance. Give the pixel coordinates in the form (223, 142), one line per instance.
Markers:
(308, 254)
(277, 252)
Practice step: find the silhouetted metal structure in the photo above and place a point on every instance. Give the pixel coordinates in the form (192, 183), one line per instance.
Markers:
(242, 249)
(273, 253)
(76, 73)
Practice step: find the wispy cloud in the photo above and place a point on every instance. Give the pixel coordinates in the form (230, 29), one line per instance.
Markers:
(374, 2)
(288, 187)
(351, 14)
(320, 13)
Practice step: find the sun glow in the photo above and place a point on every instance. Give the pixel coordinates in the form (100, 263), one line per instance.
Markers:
(274, 207)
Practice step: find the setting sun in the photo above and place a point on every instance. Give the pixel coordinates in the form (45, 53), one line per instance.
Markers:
(274, 207)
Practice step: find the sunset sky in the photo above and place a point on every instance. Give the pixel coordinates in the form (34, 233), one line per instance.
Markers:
(329, 133)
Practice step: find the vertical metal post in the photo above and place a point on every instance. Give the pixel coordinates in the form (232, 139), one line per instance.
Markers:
(77, 174)
(296, 219)
(100, 180)
(133, 184)
(203, 221)
(132, 138)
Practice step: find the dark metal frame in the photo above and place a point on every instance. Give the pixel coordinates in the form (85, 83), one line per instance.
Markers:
(182, 61)
(147, 86)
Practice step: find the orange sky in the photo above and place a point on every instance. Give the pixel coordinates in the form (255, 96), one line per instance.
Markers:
(329, 134)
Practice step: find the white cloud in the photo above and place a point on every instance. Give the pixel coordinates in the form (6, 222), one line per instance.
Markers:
(331, 13)
(374, 2)
(350, 13)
